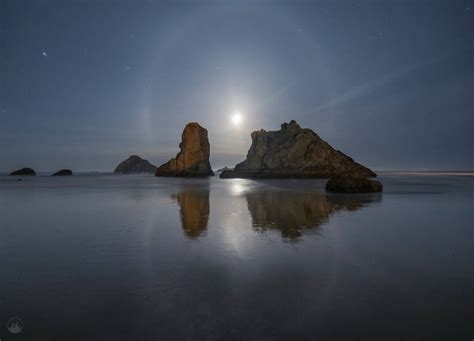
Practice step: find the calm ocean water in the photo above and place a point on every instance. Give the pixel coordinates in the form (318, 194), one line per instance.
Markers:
(110, 257)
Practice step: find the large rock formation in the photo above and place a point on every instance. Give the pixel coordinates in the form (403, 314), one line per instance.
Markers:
(23, 172)
(294, 152)
(193, 159)
(63, 172)
(135, 164)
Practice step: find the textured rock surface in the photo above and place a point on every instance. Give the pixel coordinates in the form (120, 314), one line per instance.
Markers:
(193, 159)
(63, 172)
(353, 185)
(135, 164)
(23, 171)
(294, 152)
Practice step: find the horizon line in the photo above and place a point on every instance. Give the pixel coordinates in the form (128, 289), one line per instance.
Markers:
(431, 171)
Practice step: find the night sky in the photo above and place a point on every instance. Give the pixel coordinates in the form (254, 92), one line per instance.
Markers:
(84, 84)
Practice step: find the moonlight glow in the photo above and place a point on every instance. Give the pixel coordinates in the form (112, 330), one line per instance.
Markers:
(236, 118)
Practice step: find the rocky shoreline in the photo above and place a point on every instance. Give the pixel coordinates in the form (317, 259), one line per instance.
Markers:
(291, 152)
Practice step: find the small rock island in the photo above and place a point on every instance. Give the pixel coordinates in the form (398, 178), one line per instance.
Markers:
(193, 159)
(63, 172)
(353, 185)
(23, 172)
(135, 164)
(294, 152)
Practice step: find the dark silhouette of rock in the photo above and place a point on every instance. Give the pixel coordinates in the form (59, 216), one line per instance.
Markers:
(193, 159)
(353, 185)
(294, 152)
(23, 172)
(135, 164)
(63, 172)
(220, 170)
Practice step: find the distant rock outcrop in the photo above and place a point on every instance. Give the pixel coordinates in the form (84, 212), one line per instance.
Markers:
(220, 170)
(294, 152)
(193, 159)
(135, 164)
(63, 172)
(23, 172)
(353, 185)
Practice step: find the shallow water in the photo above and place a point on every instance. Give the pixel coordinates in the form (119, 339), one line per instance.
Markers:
(110, 257)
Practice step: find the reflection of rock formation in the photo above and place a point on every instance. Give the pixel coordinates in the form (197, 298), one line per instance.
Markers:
(194, 210)
(292, 212)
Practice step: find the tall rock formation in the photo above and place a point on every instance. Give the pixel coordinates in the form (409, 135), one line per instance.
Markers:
(193, 159)
(135, 164)
(294, 152)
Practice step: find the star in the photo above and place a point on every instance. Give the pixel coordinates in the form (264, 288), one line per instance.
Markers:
(127, 68)
(44, 54)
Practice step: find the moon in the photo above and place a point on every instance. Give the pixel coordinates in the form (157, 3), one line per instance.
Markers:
(236, 118)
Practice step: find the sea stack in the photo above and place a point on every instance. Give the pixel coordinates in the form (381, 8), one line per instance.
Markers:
(295, 152)
(63, 172)
(193, 159)
(23, 172)
(135, 164)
